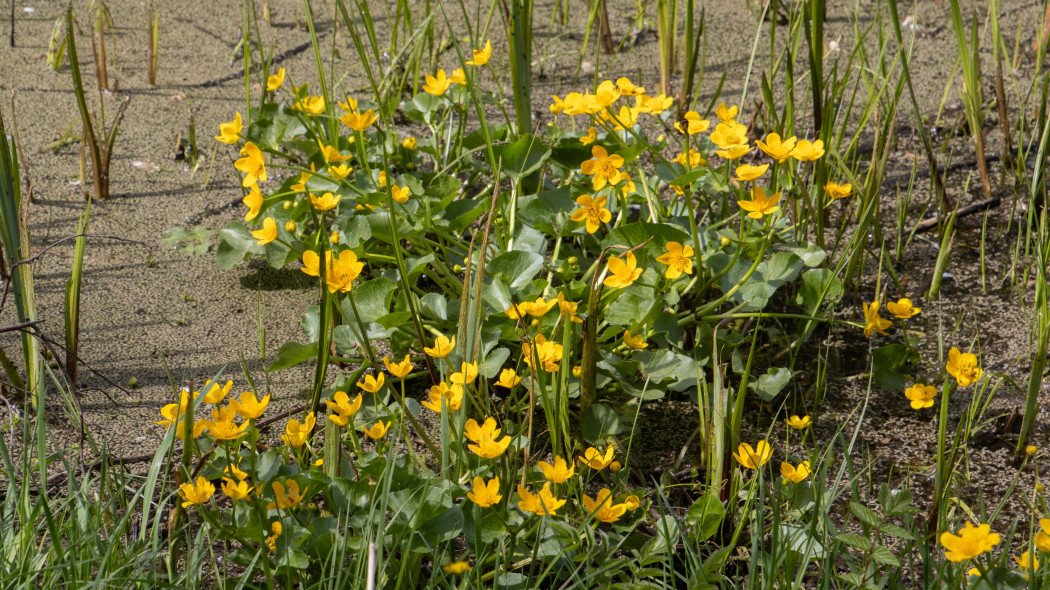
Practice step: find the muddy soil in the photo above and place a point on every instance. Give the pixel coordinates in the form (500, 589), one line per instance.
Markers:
(161, 318)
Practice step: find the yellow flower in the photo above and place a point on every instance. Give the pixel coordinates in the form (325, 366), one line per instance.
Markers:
(603, 509)
(349, 105)
(341, 171)
(653, 105)
(443, 394)
(799, 423)
(595, 459)
(577, 371)
(268, 233)
(377, 430)
(409, 143)
(560, 472)
(467, 373)
(592, 211)
(398, 369)
(359, 121)
(274, 82)
(508, 378)
(902, 309)
(969, 543)
(538, 308)
(226, 429)
(304, 177)
(1027, 563)
(248, 406)
(399, 193)
(735, 152)
(678, 258)
(1031, 450)
(381, 178)
(753, 458)
(760, 205)
(458, 77)
(622, 273)
(438, 84)
(340, 272)
(230, 132)
(286, 497)
(487, 429)
(253, 164)
(330, 154)
(196, 493)
(485, 494)
(442, 347)
(838, 191)
(313, 105)
(808, 152)
(632, 502)
(636, 342)
(481, 57)
(341, 405)
(371, 384)
(694, 123)
(795, 474)
(325, 202)
(591, 137)
(692, 159)
(726, 136)
(604, 168)
(627, 88)
(557, 106)
(254, 202)
(624, 119)
(235, 490)
(271, 541)
(747, 172)
(921, 395)
(456, 568)
(542, 503)
(873, 322)
(216, 393)
(548, 353)
(236, 472)
(963, 366)
(490, 448)
(776, 148)
(726, 115)
(1042, 538)
(295, 434)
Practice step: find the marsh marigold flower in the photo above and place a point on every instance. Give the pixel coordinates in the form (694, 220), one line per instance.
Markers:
(921, 395)
(590, 137)
(653, 105)
(377, 430)
(808, 152)
(595, 459)
(235, 490)
(634, 342)
(592, 211)
(694, 123)
(753, 458)
(799, 423)
(287, 497)
(442, 347)
(230, 132)
(296, 434)
(692, 159)
(559, 472)
(627, 88)
(747, 172)
(437, 84)
(341, 171)
(313, 105)
(342, 405)
(485, 494)
(340, 272)
(963, 366)
(372, 384)
(271, 541)
(795, 474)
(267, 233)
(253, 165)
(734, 152)
(197, 492)
(456, 568)
(481, 57)
(902, 309)
(409, 143)
(490, 448)
(508, 378)
(444, 395)
(776, 148)
(543, 502)
(603, 167)
(475, 432)
(760, 205)
(548, 353)
(274, 82)
(399, 193)
(969, 543)
(838, 191)
(622, 272)
(1042, 538)
(726, 136)
(359, 121)
(254, 202)
(226, 429)
(873, 322)
(602, 508)
(216, 394)
(678, 258)
(325, 202)
(725, 114)
(330, 154)
(400, 369)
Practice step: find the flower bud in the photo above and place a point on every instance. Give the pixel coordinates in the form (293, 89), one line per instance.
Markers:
(725, 241)
(615, 467)
(1030, 450)
(335, 237)
(287, 205)
(573, 260)
(577, 371)
(289, 227)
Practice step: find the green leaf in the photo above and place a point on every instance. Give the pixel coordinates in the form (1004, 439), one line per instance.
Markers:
(195, 241)
(353, 231)
(864, 514)
(771, 383)
(855, 541)
(632, 304)
(811, 254)
(706, 514)
(440, 529)
(886, 361)
(291, 354)
(799, 540)
(885, 557)
(372, 298)
(310, 322)
(434, 306)
(522, 157)
(235, 242)
(517, 267)
(820, 286)
(600, 421)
